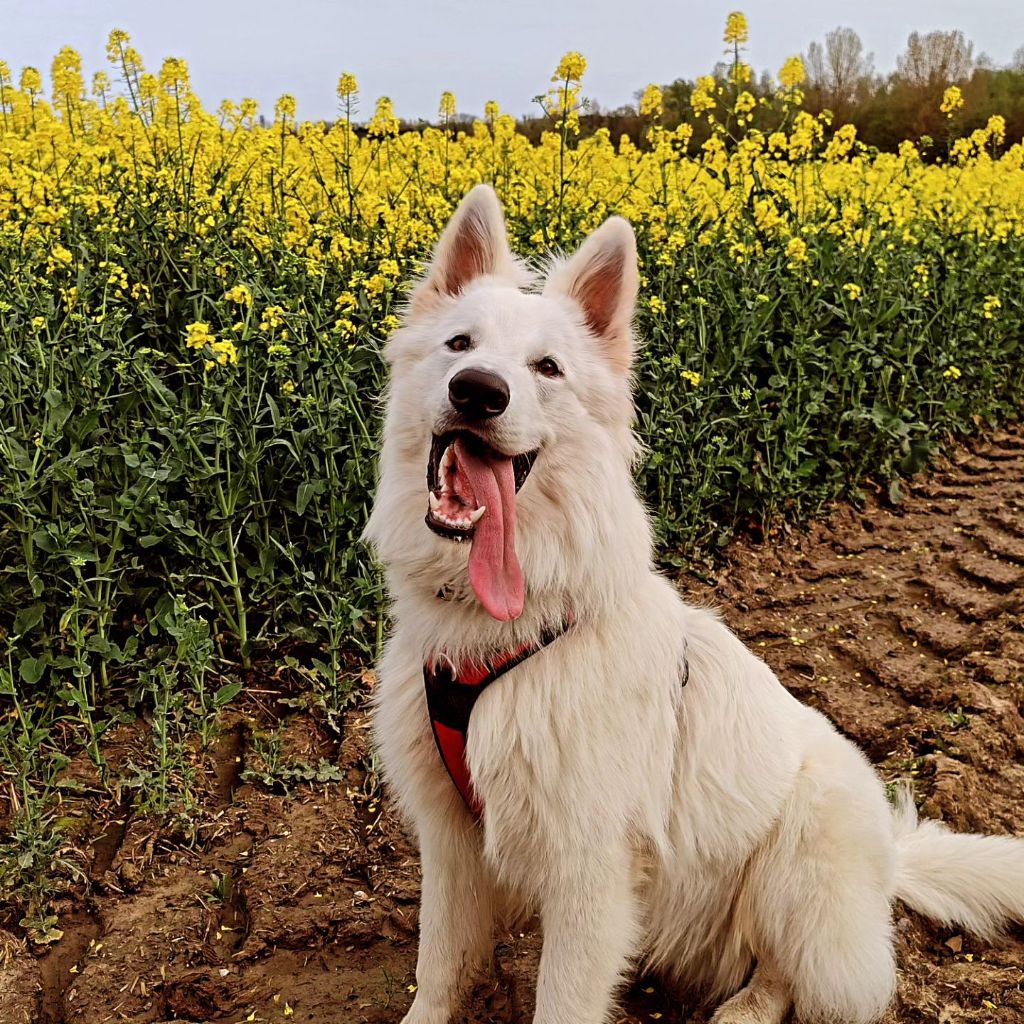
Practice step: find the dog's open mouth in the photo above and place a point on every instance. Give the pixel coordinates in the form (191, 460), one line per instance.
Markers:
(472, 491)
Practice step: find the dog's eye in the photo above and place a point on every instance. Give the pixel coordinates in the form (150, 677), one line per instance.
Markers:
(547, 367)
(459, 343)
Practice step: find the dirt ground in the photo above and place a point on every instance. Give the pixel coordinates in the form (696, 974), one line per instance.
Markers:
(903, 624)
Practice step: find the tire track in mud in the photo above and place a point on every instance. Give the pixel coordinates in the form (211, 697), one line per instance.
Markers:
(233, 921)
(906, 627)
(81, 928)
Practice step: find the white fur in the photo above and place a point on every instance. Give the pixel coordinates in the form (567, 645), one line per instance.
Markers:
(698, 831)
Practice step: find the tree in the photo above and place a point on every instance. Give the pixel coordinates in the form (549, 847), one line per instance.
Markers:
(1017, 61)
(837, 71)
(936, 59)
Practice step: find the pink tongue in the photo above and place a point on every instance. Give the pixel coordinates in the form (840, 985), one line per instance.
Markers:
(494, 570)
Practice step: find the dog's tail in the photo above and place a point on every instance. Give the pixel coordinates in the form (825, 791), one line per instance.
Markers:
(970, 880)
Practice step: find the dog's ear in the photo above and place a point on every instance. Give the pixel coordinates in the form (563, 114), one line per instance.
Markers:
(473, 244)
(602, 278)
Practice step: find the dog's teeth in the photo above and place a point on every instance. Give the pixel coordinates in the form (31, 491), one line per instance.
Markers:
(476, 514)
(435, 501)
(446, 460)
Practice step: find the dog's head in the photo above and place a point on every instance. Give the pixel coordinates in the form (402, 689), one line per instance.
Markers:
(508, 441)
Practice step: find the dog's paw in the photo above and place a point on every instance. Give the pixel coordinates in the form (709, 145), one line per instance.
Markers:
(420, 1013)
(761, 1002)
(727, 1014)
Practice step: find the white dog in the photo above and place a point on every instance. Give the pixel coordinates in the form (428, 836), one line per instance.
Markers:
(637, 776)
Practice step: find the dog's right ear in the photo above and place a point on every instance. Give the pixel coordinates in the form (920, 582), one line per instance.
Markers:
(473, 244)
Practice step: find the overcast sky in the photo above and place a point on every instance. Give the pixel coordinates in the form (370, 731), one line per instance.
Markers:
(411, 50)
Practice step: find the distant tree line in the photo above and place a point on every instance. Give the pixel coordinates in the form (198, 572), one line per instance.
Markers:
(886, 108)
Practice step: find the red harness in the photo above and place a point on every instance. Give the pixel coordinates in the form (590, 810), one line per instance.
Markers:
(451, 697)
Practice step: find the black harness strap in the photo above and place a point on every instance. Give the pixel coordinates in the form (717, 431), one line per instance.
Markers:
(452, 695)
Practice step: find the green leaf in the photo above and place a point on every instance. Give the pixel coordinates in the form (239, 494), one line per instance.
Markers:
(305, 495)
(28, 618)
(226, 694)
(31, 670)
(98, 645)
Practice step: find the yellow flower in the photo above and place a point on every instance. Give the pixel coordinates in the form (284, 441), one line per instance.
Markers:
(149, 87)
(31, 80)
(796, 251)
(952, 373)
(952, 101)
(447, 107)
(807, 130)
(384, 123)
(793, 73)
(66, 75)
(741, 73)
(225, 352)
(853, 291)
(745, 103)
(990, 306)
(198, 335)
(240, 295)
(841, 143)
(656, 305)
(174, 74)
(285, 107)
(652, 102)
(571, 67)
(691, 376)
(61, 256)
(347, 86)
(117, 42)
(273, 316)
(736, 30)
(288, 387)
(996, 129)
(703, 96)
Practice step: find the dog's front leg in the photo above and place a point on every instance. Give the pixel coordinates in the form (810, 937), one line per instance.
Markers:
(589, 918)
(457, 915)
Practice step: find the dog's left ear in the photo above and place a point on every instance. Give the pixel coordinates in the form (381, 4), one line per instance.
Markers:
(602, 278)
(473, 244)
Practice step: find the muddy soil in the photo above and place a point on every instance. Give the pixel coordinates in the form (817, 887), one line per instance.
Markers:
(903, 624)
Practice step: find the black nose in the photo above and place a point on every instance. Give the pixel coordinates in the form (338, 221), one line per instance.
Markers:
(478, 394)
